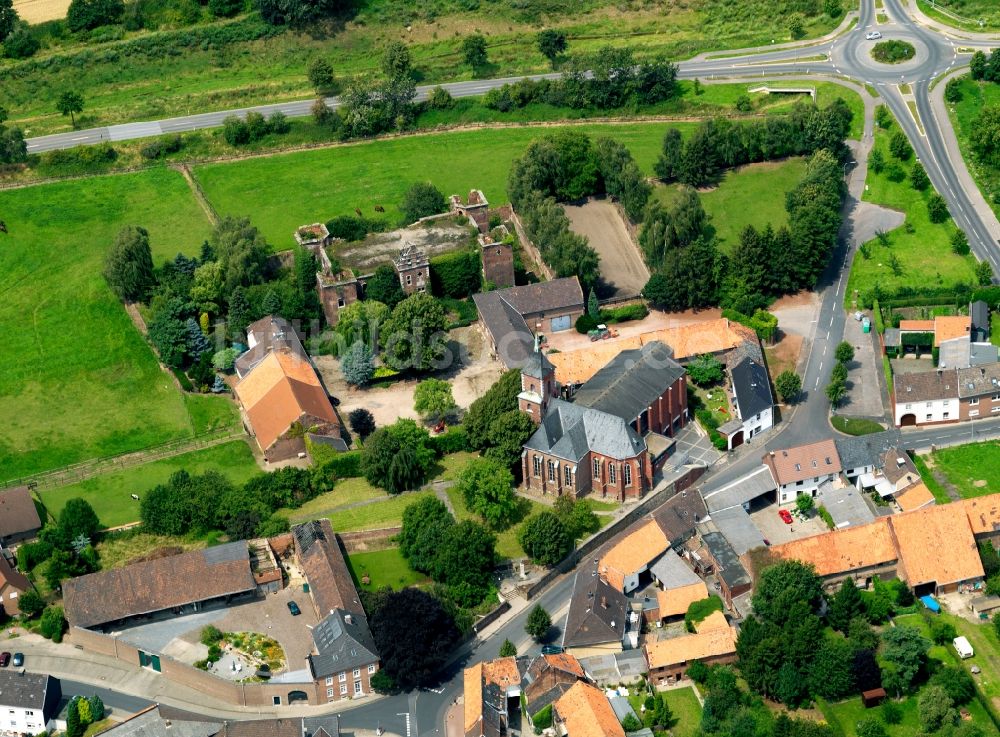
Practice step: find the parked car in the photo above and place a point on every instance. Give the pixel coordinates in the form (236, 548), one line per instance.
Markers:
(4, 660)
(294, 609)
(785, 515)
(873, 35)
(18, 660)
(551, 650)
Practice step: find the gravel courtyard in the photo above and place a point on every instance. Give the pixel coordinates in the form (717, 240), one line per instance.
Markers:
(623, 271)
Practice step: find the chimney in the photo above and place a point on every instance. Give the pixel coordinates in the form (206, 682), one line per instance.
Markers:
(604, 602)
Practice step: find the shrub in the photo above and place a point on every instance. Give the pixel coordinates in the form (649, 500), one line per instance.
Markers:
(214, 653)
(585, 323)
(456, 274)
(21, 43)
(160, 147)
(892, 52)
(210, 635)
(543, 718)
(937, 208)
(225, 8)
(86, 14)
(354, 228)
(440, 99)
(421, 200)
(453, 441)
(52, 624)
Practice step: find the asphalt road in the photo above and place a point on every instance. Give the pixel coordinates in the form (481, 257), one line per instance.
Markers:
(422, 712)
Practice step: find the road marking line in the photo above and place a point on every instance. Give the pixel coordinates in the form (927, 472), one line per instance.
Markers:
(80, 138)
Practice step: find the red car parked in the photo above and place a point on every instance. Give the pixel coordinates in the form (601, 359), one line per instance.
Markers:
(4, 660)
(785, 515)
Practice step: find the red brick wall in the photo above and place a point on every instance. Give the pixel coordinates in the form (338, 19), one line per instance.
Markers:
(498, 264)
(584, 480)
(329, 296)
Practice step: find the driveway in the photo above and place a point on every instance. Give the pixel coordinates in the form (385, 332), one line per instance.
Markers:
(623, 272)
(693, 448)
(472, 374)
(864, 396)
(776, 532)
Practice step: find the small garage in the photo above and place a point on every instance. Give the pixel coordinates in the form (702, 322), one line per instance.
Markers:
(563, 322)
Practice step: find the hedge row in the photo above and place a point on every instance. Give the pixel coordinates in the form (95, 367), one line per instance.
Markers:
(456, 274)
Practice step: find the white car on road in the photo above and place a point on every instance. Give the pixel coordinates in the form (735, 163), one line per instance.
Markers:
(873, 35)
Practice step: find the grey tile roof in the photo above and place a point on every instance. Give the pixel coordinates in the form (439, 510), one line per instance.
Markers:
(982, 353)
(846, 505)
(741, 491)
(508, 329)
(538, 365)
(891, 337)
(342, 645)
(954, 353)
(925, 386)
(752, 387)
(569, 431)
(270, 333)
(979, 380)
(865, 450)
(671, 571)
(678, 516)
(18, 514)
(739, 529)
(732, 571)
(979, 311)
(25, 690)
(632, 381)
(597, 612)
(895, 471)
(546, 296)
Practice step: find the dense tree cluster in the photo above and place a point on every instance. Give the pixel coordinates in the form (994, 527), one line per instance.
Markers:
(298, 12)
(13, 148)
(64, 549)
(609, 78)
(720, 144)
(397, 457)
(84, 15)
(460, 555)
(209, 501)
(494, 424)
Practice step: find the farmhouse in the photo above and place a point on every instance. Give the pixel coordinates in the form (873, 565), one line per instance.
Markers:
(509, 318)
(18, 516)
(920, 537)
(713, 642)
(345, 656)
(279, 389)
(178, 584)
(584, 711)
(613, 437)
(802, 469)
(947, 395)
(29, 703)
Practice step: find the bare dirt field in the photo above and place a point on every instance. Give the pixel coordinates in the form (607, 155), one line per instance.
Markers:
(795, 314)
(434, 238)
(623, 271)
(39, 11)
(568, 340)
(474, 372)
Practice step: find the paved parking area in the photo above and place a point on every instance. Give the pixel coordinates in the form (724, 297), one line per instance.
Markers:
(179, 636)
(776, 532)
(864, 397)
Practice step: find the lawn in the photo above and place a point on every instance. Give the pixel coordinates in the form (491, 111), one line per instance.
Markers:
(388, 513)
(184, 71)
(212, 412)
(79, 381)
(973, 469)
(110, 493)
(507, 544)
(384, 568)
(940, 495)
(924, 256)
(963, 114)
(854, 425)
(848, 713)
(714, 399)
(751, 195)
(683, 705)
(279, 193)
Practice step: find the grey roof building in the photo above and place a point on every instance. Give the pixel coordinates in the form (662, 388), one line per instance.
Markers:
(597, 613)
(865, 450)
(678, 516)
(268, 334)
(890, 338)
(846, 505)
(752, 387)
(982, 353)
(631, 382)
(343, 641)
(979, 311)
(979, 380)
(672, 572)
(570, 431)
(730, 571)
(30, 691)
(739, 529)
(742, 491)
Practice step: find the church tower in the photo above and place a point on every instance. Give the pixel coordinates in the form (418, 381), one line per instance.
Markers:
(538, 384)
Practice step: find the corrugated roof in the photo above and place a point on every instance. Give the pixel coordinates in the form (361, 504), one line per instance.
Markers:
(632, 382)
(732, 571)
(735, 493)
(672, 572)
(739, 529)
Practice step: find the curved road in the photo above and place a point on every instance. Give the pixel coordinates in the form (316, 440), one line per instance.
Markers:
(845, 56)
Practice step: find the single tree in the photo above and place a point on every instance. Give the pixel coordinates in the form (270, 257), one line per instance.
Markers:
(414, 635)
(507, 435)
(545, 540)
(883, 118)
(384, 287)
(918, 177)
(805, 503)
(8, 18)
(977, 65)
(900, 147)
(936, 708)
(396, 60)
(904, 654)
(552, 44)
(984, 273)
(320, 73)
(845, 606)
(433, 400)
(876, 160)
(422, 199)
(835, 391)
(844, 352)
(937, 208)
(831, 673)
(956, 682)
(52, 625)
(705, 370)
(538, 623)
(960, 243)
(577, 516)
(128, 265)
(415, 335)
(357, 365)
(97, 710)
(422, 536)
(593, 308)
(474, 51)
(30, 603)
(839, 373)
(789, 385)
(465, 562)
(508, 649)
(362, 422)
(70, 103)
(781, 586)
(488, 490)
(74, 727)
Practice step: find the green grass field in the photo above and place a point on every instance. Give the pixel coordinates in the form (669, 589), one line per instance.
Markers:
(963, 114)
(384, 568)
(924, 255)
(684, 705)
(110, 493)
(279, 193)
(79, 381)
(386, 513)
(751, 195)
(855, 425)
(186, 74)
(939, 492)
(212, 412)
(973, 469)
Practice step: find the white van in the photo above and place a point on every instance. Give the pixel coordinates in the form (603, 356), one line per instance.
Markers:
(963, 647)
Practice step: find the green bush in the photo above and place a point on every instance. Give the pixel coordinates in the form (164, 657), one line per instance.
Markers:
(214, 653)
(893, 52)
(585, 323)
(344, 465)
(160, 147)
(452, 441)
(355, 228)
(825, 516)
(210, 635)
(624, 313)
(82, 159)
(52, 624)
(543, 719)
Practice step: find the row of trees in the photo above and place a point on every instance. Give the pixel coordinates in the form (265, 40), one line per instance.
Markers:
(609, 78)
(719, 144)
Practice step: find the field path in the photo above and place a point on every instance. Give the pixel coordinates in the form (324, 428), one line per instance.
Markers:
(199, 194)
